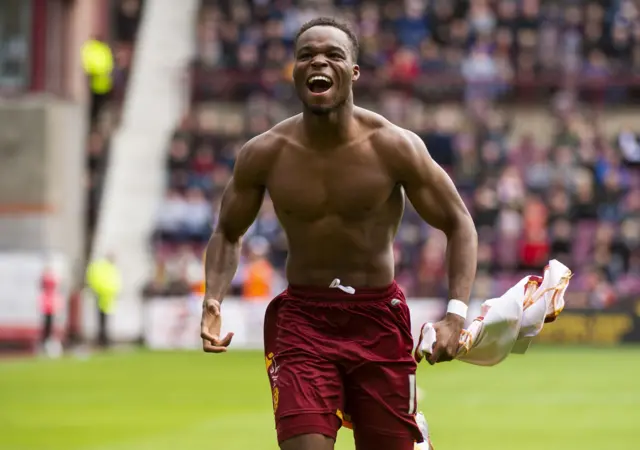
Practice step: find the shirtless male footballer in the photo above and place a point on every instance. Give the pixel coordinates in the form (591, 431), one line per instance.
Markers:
(338, 342)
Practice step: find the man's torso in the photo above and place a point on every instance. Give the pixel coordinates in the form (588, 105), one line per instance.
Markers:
(340, 207)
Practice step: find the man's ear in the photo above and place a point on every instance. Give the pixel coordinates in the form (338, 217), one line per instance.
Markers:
(356, 72)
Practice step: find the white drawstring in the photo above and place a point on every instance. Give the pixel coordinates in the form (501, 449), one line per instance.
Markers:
(336, 284)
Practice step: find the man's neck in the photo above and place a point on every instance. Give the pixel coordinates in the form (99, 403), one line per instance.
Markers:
(330, 129)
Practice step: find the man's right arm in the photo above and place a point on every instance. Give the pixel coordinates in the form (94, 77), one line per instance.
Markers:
(240, 205)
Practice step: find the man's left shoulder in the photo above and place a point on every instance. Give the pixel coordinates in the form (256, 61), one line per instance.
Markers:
(398, 143)
(390, 139)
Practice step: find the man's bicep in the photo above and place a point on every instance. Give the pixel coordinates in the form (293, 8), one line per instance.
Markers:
(238, 209)
(430, 189)
(243, 195)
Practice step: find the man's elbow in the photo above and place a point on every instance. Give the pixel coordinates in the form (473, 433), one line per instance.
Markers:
(227, 235)
(462, 224)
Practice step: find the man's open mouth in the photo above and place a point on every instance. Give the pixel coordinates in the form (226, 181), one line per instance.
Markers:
(319, 84)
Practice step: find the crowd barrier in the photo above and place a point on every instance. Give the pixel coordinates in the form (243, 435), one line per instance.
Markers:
(174, 323)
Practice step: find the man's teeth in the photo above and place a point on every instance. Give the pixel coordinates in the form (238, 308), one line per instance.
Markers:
(319, 78)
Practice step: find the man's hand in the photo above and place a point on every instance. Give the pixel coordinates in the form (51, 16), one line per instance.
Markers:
(448, 332)
(210, 328)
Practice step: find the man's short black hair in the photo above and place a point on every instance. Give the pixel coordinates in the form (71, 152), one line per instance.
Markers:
(331, 22)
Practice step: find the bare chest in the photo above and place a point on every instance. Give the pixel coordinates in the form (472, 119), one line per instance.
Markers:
(351, 184)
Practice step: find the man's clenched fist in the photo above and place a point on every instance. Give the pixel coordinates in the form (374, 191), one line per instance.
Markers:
(448, 332)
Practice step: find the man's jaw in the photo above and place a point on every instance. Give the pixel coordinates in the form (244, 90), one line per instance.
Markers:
(320, 110)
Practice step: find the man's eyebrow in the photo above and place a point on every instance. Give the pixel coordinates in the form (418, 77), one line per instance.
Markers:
(328, 48)
(335, 48)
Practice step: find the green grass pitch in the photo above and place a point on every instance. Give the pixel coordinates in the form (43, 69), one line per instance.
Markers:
(549, 399)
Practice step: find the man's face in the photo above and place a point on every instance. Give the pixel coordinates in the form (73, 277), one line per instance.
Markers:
(324, 69)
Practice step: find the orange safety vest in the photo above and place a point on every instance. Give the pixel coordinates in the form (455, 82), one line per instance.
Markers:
(197, 288)
(258, 280)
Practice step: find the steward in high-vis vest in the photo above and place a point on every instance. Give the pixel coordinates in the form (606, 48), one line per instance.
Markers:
(97, 62)
(103, 278)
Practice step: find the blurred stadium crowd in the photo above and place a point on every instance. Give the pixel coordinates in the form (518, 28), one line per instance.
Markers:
(449, 70)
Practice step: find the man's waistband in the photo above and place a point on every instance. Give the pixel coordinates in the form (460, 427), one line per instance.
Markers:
(339, 292)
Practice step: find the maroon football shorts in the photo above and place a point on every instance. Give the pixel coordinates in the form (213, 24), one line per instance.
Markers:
(336, 358)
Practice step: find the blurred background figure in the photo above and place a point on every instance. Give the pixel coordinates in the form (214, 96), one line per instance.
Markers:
(104, 280)
(50, 303)
(97, 60)
(259, 278)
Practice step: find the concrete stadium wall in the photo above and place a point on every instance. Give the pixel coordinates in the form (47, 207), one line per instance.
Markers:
(42, 192)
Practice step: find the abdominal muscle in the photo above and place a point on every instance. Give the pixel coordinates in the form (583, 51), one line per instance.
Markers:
(359, 254)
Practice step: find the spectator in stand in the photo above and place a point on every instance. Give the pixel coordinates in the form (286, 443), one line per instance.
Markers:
(259, 278)
(405, 66)
(196, 221)
(202, 166)
(96, 164)
(170, 217)
(179, 162)
(600, 292)
(412, 27)
(127, 20)
(561, 241)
